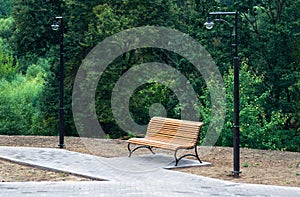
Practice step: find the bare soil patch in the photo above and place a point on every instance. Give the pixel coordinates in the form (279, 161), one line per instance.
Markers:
(257, 166)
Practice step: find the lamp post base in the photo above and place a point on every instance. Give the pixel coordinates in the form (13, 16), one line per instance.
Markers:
(236, 173)
(61, 146)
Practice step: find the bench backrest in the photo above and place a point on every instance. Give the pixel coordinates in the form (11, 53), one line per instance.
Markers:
(180, 132)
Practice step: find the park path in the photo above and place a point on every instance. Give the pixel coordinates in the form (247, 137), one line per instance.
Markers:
(135, 176)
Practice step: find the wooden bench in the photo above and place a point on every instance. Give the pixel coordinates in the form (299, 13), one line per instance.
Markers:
(171, 134)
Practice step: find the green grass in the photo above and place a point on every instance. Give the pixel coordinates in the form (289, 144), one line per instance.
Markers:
(245, 165)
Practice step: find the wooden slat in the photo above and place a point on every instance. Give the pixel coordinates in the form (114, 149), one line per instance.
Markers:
(159, 144)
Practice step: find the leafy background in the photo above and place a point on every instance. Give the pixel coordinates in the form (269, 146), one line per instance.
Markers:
(269, 54)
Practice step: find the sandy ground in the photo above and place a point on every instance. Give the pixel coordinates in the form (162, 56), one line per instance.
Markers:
(257, 166)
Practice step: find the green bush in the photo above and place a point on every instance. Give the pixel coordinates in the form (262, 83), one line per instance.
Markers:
(8, 67)
(7, 27)
(258, 129)
(19, 103)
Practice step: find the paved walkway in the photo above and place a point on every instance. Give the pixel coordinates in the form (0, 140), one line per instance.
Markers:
(135, 176)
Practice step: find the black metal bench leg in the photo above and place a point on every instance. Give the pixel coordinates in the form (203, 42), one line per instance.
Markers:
(150, 148)
(178, 159)
(131, 151)
(197, 156)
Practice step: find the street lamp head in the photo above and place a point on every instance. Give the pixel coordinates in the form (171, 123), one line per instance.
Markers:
(55, 25)
(209, 24)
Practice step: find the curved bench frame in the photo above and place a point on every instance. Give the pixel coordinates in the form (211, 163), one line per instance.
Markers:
(175, 153)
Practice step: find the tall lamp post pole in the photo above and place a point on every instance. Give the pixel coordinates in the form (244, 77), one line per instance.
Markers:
(58, 24)
(236, 142)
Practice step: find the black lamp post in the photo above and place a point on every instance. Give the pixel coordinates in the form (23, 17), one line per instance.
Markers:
(58, 24)
(236, 142)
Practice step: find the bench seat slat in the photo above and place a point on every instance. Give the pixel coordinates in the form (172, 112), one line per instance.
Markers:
(171, 140)
(159, 144)
(168, 138)
(164, 133)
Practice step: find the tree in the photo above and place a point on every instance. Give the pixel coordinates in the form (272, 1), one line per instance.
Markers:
(266, 30)
(8, 66)
(20, 114)
(99, 21)
(270, 48)
(5, 8)
(33, 32)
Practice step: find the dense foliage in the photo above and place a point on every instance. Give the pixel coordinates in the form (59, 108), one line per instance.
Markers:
(269, 64)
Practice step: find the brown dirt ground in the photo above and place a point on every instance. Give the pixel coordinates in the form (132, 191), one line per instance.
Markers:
(257, 166)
